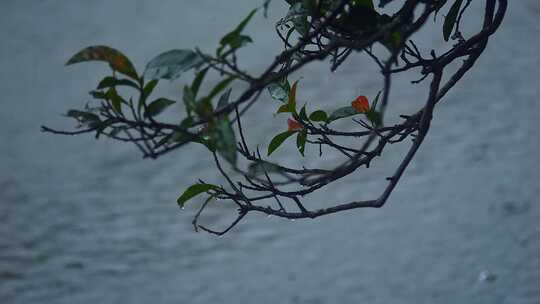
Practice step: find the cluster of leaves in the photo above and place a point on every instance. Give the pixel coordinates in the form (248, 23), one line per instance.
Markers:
(123, 109)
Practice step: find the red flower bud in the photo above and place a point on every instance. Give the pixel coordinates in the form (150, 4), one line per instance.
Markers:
(294, 125)
(361, 104)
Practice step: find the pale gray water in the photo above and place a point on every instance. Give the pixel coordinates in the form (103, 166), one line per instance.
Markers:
(85, 221)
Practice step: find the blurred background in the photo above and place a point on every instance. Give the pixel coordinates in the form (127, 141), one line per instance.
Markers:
(86, 221)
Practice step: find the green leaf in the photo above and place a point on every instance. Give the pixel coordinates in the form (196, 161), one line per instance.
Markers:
(196, 84)
(115, 100)
(374, 117)
(148, 89)
(450, 20)
(278, 140)
(118, 61)
(225, 140)
(187, 122)
(193, 191)
(279, 90)
(224, 100)
(111, 81)
(204, 108)
(342, 113)
(318, 115)
(189, 100)
(376, 101)
(222, 85)
(301, 24)
(284, 109)
(303, 116)
(234, 39)
(98, 94)
(260, 167)
(86, 118)
(171, 64)
(301, 139)
(157, 106)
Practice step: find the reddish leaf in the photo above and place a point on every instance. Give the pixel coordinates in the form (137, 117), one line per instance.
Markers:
(118, 61)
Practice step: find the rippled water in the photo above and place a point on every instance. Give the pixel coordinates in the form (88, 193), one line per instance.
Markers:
(86, 221)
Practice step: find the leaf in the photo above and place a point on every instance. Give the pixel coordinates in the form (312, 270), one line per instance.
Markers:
(278, 140)
(225, 140)
(376, 100)
(98, 94)
(342, 113)
(301, 139)
(187, 122)
(297, 14)
(374, 117)
(292, 98)
(87, 118)
(257, 168)
(196, 84)
(204, 108)
(279, 90)
(118, 61)
(303, 116)
(189, 100)
(234, 39)
(115, 100)
(148, 89)
(222, 85)
(450, 19)
(111, 81)
(171, 64)
(157, 106)
(224, 100)
(284, 109)
(193, 191)
(318, 115)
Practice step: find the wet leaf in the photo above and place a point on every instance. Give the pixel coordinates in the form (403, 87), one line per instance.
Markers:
(196, 84)
(222, 85)
(450, 20)
(114, 99)
(301, 139)
(118, 61)
(278, 140)
(260, 167)
(193, 191)
(279, 90)
(342, 113)
(189, 100)
(318, 115)
(148, 89)
(234, 39)
(87, 118)
(374, 117)
(302, 115)
(111, 81)
(225, 140)
(157, 106)
(224, 100)
(171, 64)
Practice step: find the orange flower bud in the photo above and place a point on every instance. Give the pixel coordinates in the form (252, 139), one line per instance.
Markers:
(361, 104)
(294, 125)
